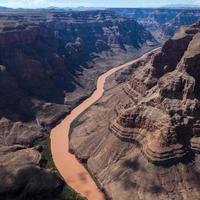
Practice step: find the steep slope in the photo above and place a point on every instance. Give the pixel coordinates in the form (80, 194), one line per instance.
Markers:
(48, 63)
(163, 22)
(141, 140)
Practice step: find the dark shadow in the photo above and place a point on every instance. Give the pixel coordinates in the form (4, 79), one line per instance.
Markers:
(22, 111)
(31, 183)
(133, 164)
(156, 189)
(83, 177)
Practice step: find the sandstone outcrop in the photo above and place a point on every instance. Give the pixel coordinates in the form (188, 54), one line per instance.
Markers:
(146, 145)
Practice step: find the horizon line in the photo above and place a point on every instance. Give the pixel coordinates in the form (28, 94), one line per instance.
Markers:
(106, 7)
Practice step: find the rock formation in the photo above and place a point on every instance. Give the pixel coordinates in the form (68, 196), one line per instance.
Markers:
(146, 145)
(168, 108)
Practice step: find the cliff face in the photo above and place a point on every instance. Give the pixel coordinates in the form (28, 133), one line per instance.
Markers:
(149, 147)
(48, 62)
(163, 22)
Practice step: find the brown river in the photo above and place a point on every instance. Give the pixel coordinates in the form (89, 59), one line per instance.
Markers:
(73, 172)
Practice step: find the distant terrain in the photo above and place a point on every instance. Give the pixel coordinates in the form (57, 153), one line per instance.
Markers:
(162, 22)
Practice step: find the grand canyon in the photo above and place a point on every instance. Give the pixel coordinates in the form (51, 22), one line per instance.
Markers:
(99, 104)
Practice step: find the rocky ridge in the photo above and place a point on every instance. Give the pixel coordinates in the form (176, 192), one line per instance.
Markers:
(146, 144)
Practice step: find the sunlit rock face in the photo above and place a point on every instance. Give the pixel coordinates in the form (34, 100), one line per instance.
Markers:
(164, 121)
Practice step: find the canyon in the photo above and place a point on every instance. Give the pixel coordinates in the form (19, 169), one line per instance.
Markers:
(49, 63)
(141, 139)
